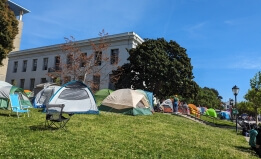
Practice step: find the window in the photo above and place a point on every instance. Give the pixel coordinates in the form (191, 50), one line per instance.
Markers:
(43, 80)
(13, 82)
(69, 60)
(114, 56)
(24, 65)
(34, 65)
(83, 59)
(45, 63)
(96, 83)
(22, 83)
(57, 62)
(15, 66)
(74, 94)
(98, 58)
(32, 81)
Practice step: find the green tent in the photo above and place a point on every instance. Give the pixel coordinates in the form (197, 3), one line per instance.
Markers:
(101, 95)
(211, 112)
(5, 91)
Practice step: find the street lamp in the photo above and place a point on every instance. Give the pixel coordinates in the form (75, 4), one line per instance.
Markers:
(235, 90)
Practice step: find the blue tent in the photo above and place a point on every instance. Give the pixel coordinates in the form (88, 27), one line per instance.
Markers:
(225, 115)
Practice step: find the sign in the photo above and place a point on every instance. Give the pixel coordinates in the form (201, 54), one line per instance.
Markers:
(234, 111)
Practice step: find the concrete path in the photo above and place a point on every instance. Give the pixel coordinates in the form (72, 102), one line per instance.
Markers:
(200, 121)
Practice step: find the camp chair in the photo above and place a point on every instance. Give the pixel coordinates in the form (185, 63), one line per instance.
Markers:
(54, 116)
(16, 105)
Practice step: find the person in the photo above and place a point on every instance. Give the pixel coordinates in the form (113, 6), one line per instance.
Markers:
(175, 103)
(185, 108)
(254, 139)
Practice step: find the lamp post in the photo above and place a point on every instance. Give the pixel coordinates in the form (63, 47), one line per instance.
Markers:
(235, 90)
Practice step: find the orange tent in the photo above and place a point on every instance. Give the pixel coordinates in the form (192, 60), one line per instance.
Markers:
(194, 110)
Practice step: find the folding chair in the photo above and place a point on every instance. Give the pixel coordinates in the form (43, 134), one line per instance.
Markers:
(16, 105)
(54, 116)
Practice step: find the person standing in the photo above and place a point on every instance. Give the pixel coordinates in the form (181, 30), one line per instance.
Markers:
(175, 103)
(252, 139)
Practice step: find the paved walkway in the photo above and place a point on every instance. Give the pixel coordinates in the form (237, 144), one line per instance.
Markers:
(202, 122)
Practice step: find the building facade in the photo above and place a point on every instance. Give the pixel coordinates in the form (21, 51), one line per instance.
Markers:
(27, 68)
(19, 11)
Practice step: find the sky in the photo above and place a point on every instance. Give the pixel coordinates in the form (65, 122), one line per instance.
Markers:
(222, 37)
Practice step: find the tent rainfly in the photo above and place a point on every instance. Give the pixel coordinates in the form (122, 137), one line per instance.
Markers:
(77, 98)
(126, 101)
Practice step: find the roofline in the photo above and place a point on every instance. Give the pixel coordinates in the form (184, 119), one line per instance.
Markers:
(17, 6)
(114, 37)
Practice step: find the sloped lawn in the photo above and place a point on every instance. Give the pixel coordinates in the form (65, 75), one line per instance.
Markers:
(110, 135)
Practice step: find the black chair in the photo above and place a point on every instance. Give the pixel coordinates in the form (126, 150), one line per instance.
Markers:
(54, 116)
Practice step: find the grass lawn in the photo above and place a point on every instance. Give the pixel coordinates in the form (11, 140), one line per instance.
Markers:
(110, 135)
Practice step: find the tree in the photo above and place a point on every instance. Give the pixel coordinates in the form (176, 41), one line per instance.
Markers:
(8, 31)
(78, 65)
(254, 94)
(246, 107)
(158, 66)
(208, 97)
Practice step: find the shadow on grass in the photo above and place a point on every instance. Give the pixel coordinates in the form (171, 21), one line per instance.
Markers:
(246, 150)
(42, 128)
(12, 115)
(4, 114)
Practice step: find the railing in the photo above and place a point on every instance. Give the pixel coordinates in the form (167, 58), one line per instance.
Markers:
(55, 69)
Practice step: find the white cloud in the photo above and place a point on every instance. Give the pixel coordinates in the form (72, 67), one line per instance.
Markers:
(195, 31)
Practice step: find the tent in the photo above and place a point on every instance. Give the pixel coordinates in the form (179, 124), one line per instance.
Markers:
(203, 110)
(3, 83)
(194, 110)
(101, 95)
(225, 115)
(42, 98)
(41, 86)
(5, 91)
(28, 92)
(149, 96)
(167, 106)
(126, 101)
(211, 112)
(77, 98)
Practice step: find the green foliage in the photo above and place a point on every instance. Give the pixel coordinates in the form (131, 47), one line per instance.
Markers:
(208, 97)
(255, 82)
(110, 135)
(158, 66)
(254, 94)
(8, 31)
(246, 107)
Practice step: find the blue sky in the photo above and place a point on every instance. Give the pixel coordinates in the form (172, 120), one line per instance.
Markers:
(222, 37)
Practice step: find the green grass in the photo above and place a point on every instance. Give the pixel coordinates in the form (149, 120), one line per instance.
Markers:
(217, 121)
(110, 135)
